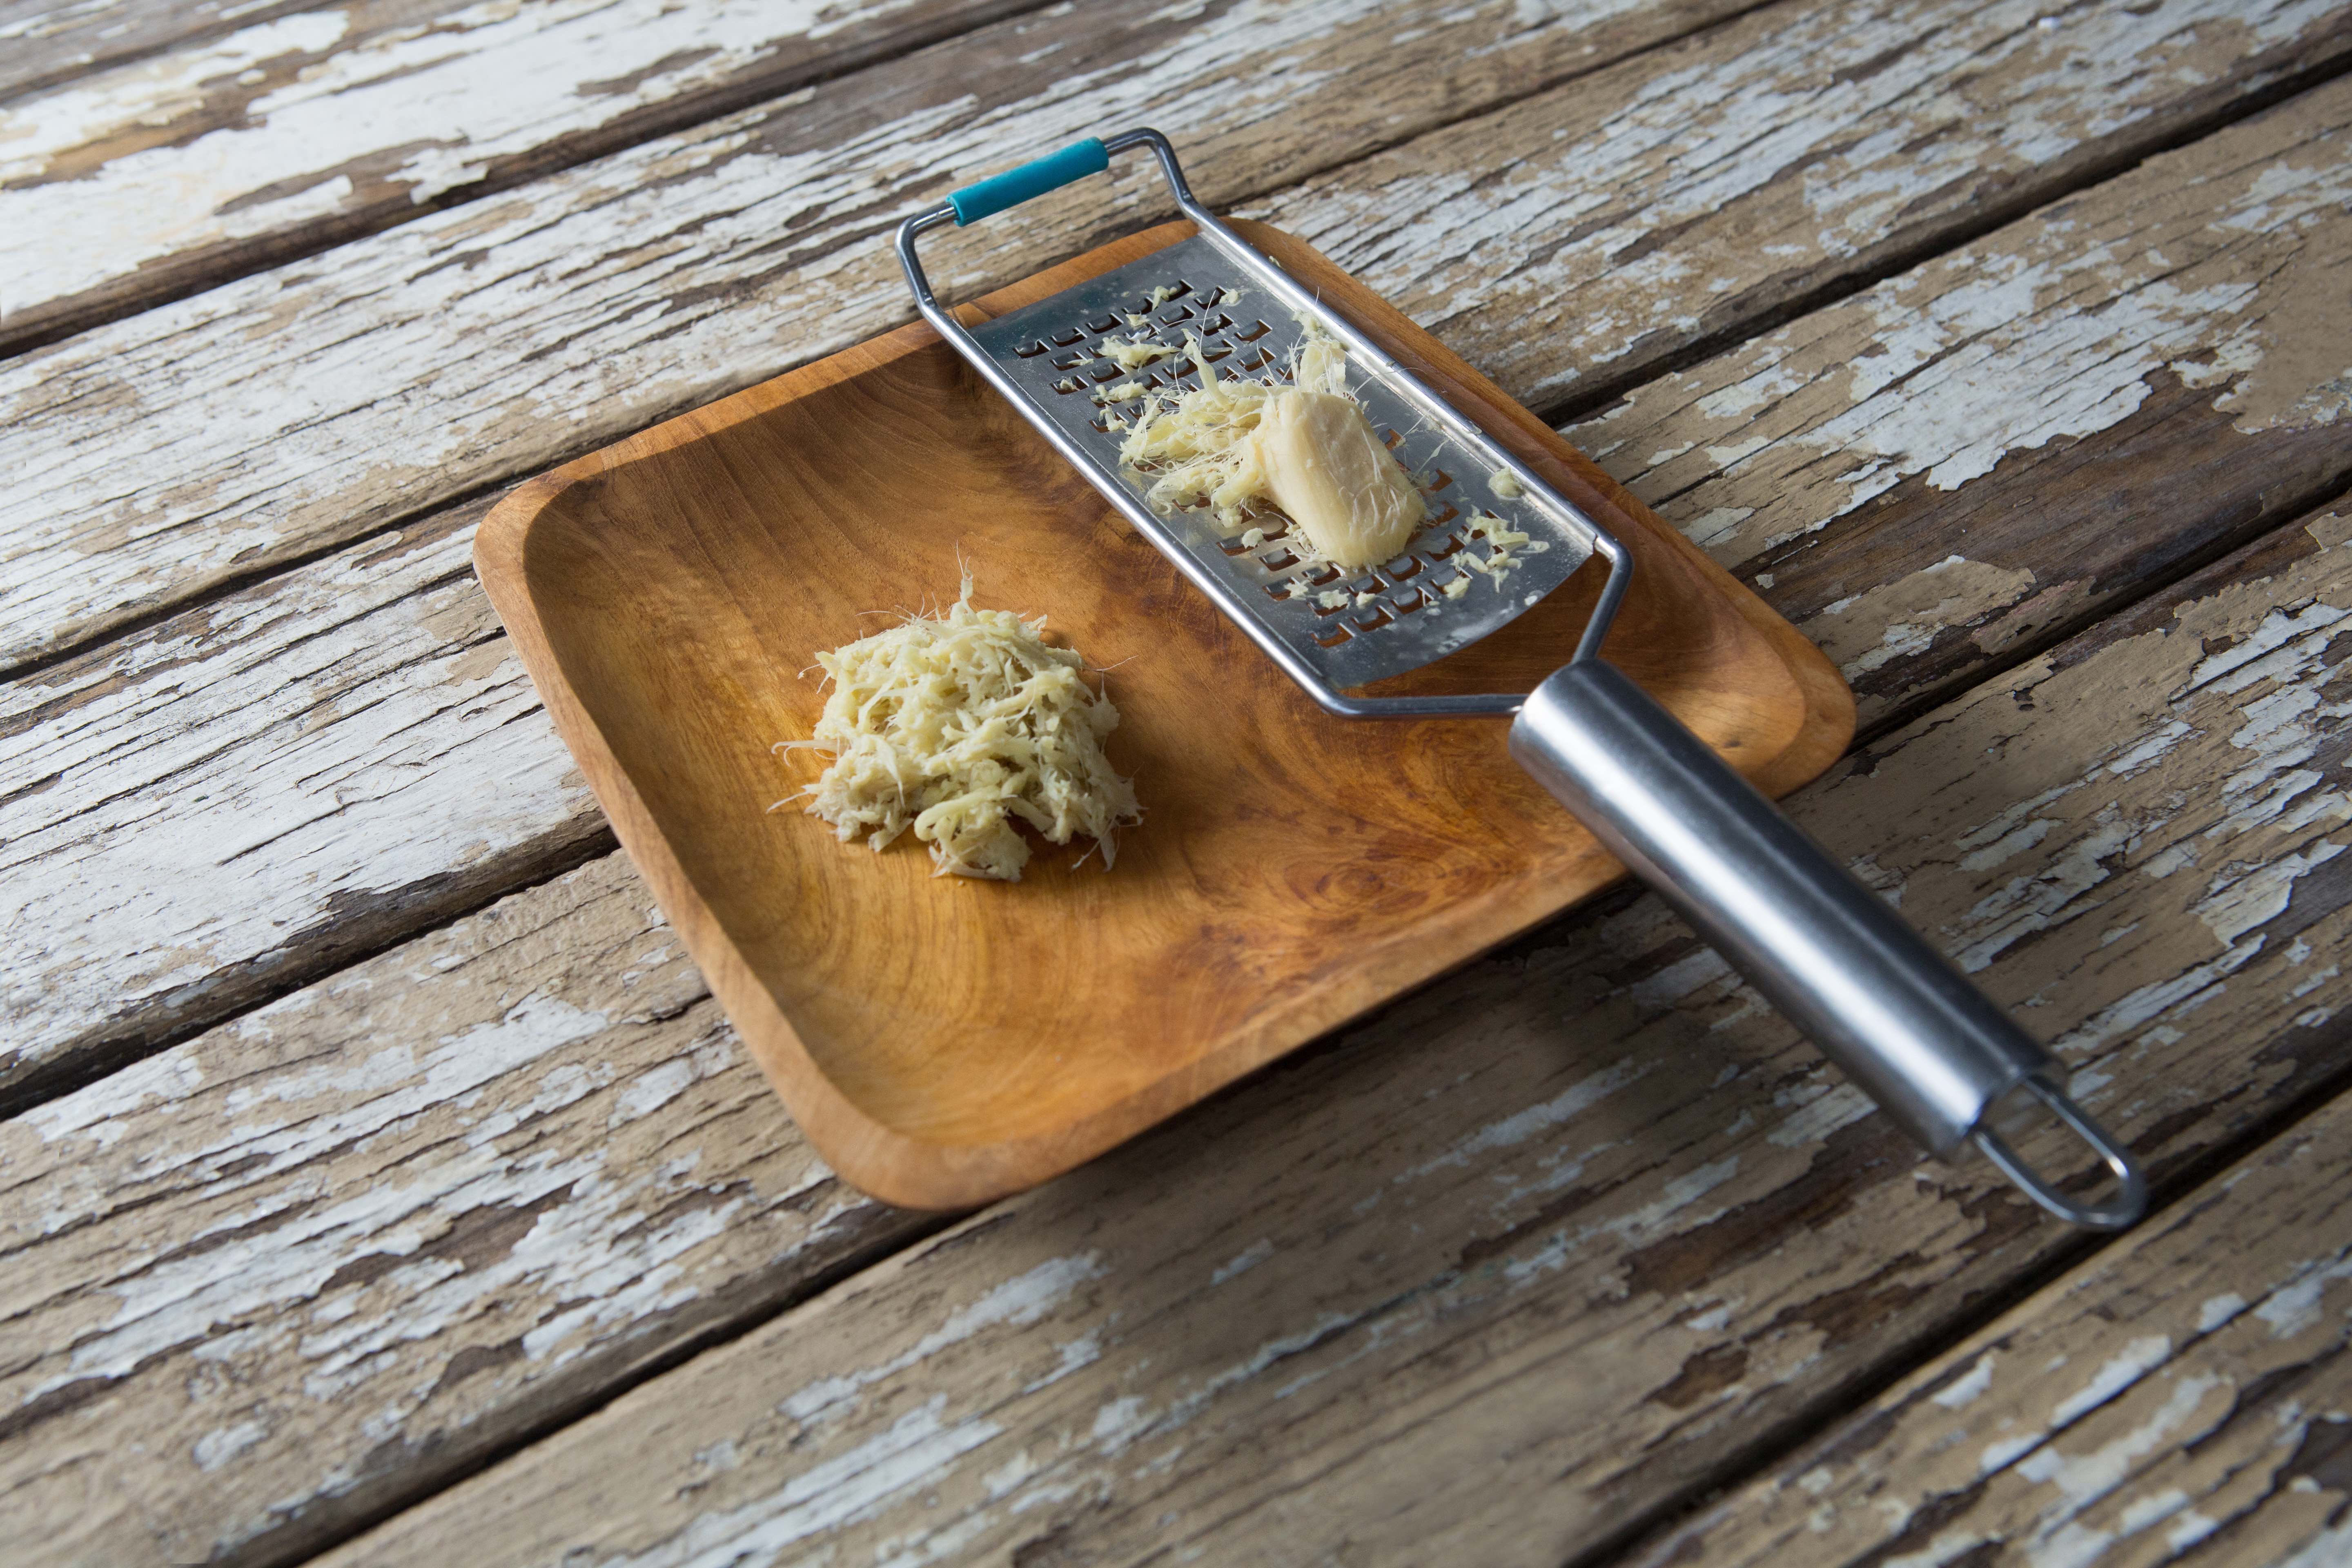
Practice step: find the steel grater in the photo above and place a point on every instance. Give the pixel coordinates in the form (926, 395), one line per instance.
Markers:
(1397, 615)
(1932, 1050)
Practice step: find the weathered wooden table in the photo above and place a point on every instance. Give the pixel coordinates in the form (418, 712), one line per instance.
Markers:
(383, 1184)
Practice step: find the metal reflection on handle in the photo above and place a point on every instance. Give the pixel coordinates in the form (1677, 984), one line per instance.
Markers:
(1831, 954)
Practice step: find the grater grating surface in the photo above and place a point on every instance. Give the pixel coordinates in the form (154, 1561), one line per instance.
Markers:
(1395, 616)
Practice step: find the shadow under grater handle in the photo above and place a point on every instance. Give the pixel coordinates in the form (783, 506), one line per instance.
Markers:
(1895, 1013)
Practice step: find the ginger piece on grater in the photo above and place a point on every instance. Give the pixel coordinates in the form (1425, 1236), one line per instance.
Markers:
(1321, 463)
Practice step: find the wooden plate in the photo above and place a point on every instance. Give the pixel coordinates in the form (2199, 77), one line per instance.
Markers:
(943, 1041)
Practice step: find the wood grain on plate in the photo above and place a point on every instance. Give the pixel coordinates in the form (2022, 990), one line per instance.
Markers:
(127, 959)
(944, 1043)
(157, 457)
(1542, 1125)
(1566, 1235)
(2186, 1397)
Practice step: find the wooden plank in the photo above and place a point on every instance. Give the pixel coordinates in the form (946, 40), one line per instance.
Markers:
(1523, 1260)
(1517, 1178)
(310, 128)
(291, 1270)
(1580, 237)
(2187, 1396)
(264, 420)
(91, 988)
(307, 127)
(262, 787)
(47, 41)
(2145, 373)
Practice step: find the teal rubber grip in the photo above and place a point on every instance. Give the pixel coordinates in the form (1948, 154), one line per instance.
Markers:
(1013, 186)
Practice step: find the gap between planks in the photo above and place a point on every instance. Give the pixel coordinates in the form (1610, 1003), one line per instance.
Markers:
(150, 27)
(1648, 1540)
(1592, 398)
(1911, 708)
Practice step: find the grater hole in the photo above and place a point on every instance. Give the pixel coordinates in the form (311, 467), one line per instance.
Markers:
(1332, 636)
(1373, 619)
(1256, 330)
(1072, 361)
(1174, 315)
(1107, 371)
(1070, 383)
(1438, 480)
(1440, 518)
(1030, 349)
(1064, 339)
(1104, 325)
(1219, 324)
(1392, 440)
(1403, 567)
(1281, 560)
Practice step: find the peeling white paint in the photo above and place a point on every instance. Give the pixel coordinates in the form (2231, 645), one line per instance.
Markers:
(2218, 1311)
(1994, 351)
(1967, 1390)
(825, 1496)
(491, 82)
(2294, 1309)
(231, 780)
(1018, 1302)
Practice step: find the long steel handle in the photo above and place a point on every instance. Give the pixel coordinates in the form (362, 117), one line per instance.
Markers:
(1928, 1046)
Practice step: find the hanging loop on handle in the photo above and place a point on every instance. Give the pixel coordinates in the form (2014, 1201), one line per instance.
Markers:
(1034, 178)
(2131, 1197)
